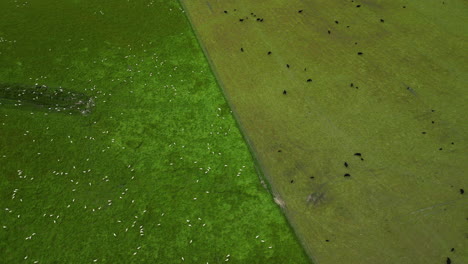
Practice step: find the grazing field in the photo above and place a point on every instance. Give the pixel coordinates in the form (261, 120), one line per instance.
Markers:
(156, 172)
(356, 112)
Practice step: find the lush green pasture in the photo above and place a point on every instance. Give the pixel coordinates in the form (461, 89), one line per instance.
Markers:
(157, 173)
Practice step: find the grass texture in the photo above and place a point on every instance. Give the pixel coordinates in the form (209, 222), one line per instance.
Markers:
(355, 111)
(157, 172)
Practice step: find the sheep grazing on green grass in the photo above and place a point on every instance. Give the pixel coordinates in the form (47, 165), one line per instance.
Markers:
(43, 97)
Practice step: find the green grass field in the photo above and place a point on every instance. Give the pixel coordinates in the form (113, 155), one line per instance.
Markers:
(158, 172)
(356, 113)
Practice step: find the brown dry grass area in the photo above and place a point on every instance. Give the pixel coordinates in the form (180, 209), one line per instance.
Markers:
(399, 104)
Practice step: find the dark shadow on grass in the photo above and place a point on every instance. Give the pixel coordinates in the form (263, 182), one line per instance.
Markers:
(45, 98)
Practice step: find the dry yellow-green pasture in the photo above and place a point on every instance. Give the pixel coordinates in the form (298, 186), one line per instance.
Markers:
(369, 155)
